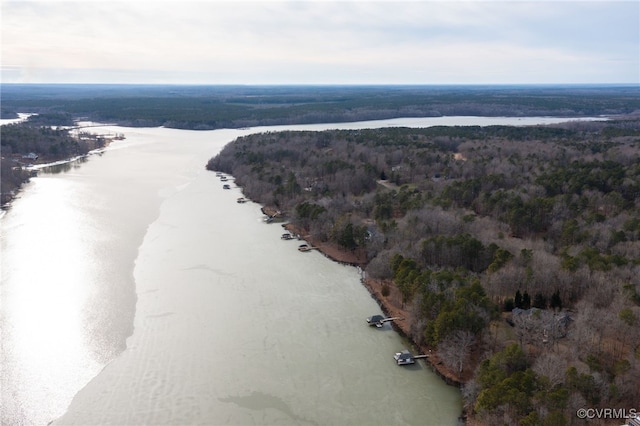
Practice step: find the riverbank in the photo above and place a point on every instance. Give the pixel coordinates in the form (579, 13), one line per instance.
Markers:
(388, 297)
(330, 250)
(391, 305)
(11, 192)
(389, 300)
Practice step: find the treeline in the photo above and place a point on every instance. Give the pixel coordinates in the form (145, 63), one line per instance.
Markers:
(514, 251)
(36, 141)
(11, 178)
(212, 107)
(44, 141)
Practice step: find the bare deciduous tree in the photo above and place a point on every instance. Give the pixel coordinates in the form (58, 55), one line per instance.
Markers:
(455, 349)
(552, 366)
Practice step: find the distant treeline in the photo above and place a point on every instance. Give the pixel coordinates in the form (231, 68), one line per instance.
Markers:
(514, 250)
(212, 107)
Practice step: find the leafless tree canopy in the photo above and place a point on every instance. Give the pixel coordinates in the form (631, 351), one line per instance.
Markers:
(493, 237)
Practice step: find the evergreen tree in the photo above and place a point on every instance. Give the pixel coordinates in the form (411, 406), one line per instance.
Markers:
(555, 302)
(518, 300)
(540, 301)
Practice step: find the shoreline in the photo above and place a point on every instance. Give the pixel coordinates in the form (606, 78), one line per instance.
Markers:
(35, 168)
(374, 287)
(389, 304)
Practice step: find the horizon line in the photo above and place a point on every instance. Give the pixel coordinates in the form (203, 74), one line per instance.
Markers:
(312, 84)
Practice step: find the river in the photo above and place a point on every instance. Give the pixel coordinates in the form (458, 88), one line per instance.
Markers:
(135, 290)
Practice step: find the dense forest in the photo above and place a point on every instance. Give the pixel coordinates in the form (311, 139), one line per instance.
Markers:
(236, 106)
(213, 107)
(514, 251)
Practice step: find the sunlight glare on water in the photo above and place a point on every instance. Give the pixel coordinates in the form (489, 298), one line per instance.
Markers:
(50, 273)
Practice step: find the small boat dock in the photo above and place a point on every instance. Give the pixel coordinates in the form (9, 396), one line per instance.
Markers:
(271, 215)
(379, 320)
(407, 358)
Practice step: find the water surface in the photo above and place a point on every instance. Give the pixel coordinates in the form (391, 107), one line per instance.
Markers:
(141, 248)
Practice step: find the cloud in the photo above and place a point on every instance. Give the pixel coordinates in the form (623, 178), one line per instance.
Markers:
(322, 41)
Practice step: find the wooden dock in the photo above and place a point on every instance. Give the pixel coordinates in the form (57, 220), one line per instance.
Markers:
(391, 319)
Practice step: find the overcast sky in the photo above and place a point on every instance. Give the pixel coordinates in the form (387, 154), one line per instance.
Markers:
(320, 42)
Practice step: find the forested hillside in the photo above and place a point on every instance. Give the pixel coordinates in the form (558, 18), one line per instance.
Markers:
(514, 251)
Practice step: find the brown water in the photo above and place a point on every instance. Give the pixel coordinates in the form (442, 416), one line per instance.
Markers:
(139, 261)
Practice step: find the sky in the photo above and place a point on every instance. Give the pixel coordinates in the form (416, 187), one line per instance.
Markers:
(320, 42)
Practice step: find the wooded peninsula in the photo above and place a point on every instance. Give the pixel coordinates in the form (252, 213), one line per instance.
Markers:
(513, 253)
